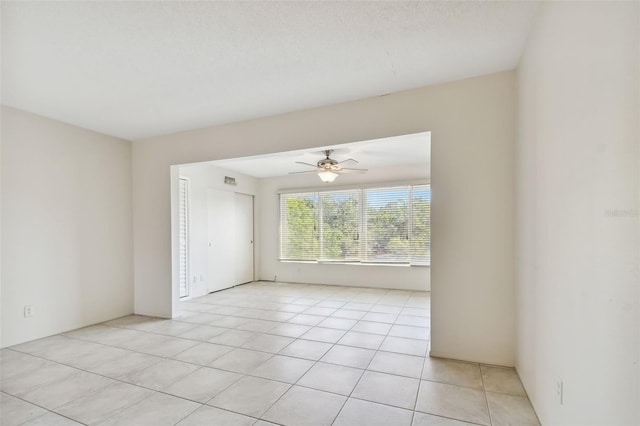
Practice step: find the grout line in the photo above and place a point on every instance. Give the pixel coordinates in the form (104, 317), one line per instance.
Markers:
(199, 366)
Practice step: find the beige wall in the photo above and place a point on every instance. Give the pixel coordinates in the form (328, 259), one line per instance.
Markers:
(472, 125)
(66, 227)
(577, 260)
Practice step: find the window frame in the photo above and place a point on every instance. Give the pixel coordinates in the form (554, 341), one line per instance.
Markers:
(362, 232)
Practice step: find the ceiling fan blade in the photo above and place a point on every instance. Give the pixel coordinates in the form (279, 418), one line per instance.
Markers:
(349, 159)
(348, 170)
(305, 172)
(307, 164)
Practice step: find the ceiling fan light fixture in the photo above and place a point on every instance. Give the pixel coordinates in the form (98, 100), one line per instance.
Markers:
(327, 176)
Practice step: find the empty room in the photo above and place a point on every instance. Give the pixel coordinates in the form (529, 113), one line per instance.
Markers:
(320, 213)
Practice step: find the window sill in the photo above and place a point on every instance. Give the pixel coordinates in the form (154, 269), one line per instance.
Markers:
(331, 262)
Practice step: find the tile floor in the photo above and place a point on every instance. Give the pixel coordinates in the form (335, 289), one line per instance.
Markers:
(259, 354)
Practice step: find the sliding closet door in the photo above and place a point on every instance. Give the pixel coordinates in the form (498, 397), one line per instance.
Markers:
(221, 239)
(244, 238)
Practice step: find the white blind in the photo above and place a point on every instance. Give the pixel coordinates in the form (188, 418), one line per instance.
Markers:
(387, 231)
(421, 225)
(183, 231)
(373, 225)
(341, 217)
(299, 230)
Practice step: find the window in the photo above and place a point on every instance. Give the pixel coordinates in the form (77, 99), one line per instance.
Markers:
(373, 225)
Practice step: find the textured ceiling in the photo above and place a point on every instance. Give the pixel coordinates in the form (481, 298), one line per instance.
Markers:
(413, 149)
(139, 69)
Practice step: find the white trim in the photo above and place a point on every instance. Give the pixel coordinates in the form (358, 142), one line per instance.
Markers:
(377, 185)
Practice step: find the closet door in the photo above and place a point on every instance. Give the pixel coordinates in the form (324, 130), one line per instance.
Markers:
(221, 239)
(244, 238)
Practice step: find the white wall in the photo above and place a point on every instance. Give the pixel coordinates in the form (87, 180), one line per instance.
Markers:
(577, 264)
(473, 130)
(201, 178)
(388, 276)
(66, 227)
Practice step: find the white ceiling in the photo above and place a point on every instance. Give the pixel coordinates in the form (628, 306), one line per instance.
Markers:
(413, 149)
(140, 69)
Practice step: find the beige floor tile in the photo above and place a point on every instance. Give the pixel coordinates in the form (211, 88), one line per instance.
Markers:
(338, 323)
(99, 356)
(97, 406)
(258, 326)
(23, 383)
(409, 332)
(234, 338)
(400, 364)
(355, 306)
(361, 340)
(203, 353)
(421, 419)
(203, 384)
(349, 356)
(386, 309)
(511, 410)
(331, 378)
(301, 407)
(387, 389)
(502, 380)
(452, 372)
(211, 416)
(305, 319)
(413, 320)
(321, 334)
(268, 343)
(60, 392)
(455, 402)
(251, 396)
(14, 411)
(161, 375)
(290, 330)
(307, 349)
(14, 363)
(316, 310)
(51, 419)
(364, 413)
(157, 410)
(125, 365)
(331, 304)
(404, 346)
(169, 347)
(348, 314)
(283, 368)
(372, 327)
(203, 333)
(241, 360)
(380, 317)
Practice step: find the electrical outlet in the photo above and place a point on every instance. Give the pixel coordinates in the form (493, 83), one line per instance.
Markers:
(28, 311)
(560, 391)
(194, 279)
(201, 277)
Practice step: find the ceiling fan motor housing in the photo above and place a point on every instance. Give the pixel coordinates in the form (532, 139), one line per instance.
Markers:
(328, 164)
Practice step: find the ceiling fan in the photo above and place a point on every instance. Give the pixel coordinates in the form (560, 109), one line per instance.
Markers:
(328, 169)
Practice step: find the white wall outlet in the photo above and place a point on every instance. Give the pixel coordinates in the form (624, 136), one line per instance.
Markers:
(28, 311)
(201, 277)
(560, 391)
(194, 279)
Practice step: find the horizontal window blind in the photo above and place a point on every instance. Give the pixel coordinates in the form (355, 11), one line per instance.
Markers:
(387, 231)
(373, 225)
(341, 216)
(421, 225)
(299, 230)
